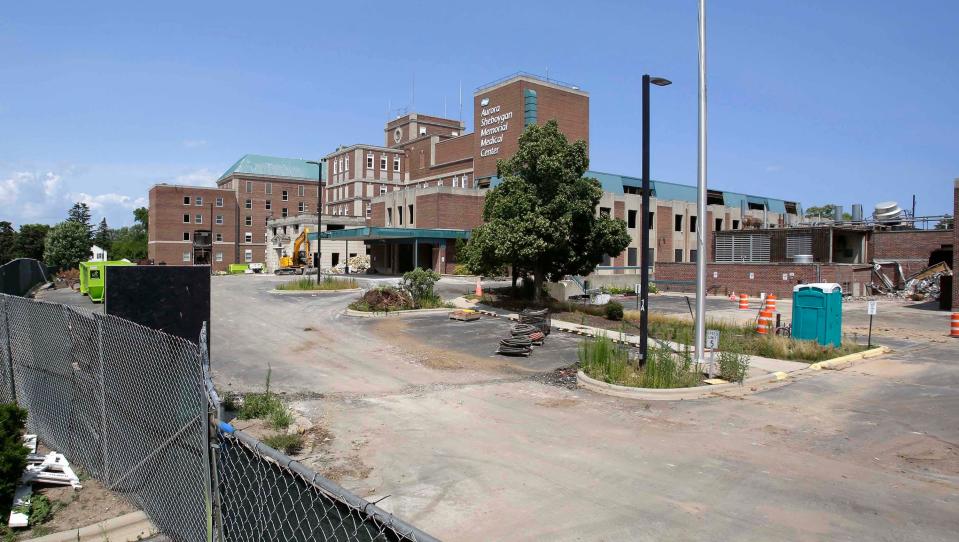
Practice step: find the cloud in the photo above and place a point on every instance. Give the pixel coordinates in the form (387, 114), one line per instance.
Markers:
(194, 143)
(773, 168)
(101, 202)
(198, 177)
(27, 197)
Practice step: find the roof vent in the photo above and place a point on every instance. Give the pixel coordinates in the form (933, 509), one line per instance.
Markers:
(887, 212)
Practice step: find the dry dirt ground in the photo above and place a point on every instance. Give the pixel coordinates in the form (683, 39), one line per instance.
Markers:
(469, 446)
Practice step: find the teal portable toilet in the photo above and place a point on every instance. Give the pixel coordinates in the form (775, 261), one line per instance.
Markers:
(817, 313)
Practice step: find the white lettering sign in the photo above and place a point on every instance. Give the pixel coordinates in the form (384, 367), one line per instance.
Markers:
(871, 308)
(493, 126)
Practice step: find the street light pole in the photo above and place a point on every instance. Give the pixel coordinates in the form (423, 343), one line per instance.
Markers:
(319, 216)
(644, 257)
(700, 324)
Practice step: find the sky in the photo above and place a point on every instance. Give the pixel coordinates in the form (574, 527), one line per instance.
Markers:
(815, 101)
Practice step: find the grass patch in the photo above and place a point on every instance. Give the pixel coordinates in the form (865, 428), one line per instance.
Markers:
(264, 406)
(602, 359)
(326, 283)
(290, 444)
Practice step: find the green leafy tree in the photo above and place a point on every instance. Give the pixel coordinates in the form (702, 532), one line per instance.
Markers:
(542, 217)
(67, 244)
(142, 216)
(130, 242)
(946, 223)
(8, 240)
(103, 237)
(30, 241)
(13, 454)
(827, 212)
(80, 213)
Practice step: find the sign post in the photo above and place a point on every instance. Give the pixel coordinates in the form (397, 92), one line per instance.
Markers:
(712, 343)
(871, 311)
(637, 288)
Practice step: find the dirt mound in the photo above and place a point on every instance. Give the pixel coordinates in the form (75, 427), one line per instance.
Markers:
(387, 299)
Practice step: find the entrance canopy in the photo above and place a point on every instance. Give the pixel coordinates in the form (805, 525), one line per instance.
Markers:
(398, 250)
(377, 234)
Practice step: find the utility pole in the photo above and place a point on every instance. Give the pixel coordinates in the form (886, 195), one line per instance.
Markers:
(319, 216)
(700, 324)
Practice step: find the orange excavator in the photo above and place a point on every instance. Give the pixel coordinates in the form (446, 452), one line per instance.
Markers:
(295, 264)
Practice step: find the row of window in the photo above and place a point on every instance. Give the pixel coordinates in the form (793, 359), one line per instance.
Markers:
(268, 189)
(218, 235)
(399, 215)
(198, 201)
(677, 221)
(632, 255)
(218, 256)
(198, 219)
(342, 164)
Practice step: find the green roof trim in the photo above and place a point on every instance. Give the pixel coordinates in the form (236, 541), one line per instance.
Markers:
(274, 166)
(368, 233)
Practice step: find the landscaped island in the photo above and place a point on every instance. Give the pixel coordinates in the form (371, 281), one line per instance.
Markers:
(324, 284)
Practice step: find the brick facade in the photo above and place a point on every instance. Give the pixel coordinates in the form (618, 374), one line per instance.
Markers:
(175, 220)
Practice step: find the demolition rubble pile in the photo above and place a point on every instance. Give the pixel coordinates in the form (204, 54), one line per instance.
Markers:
(918, 286)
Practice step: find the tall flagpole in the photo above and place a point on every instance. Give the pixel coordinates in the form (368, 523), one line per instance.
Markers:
(700, 331)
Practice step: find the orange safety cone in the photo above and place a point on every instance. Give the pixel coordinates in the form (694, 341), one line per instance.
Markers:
(954, 325)
(743, 302)
(479, 288)
(771, 302)
(764, 322)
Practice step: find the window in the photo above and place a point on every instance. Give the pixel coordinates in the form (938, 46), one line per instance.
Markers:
(249, 187)
(198, 219)
(269, 188)
(369, 161)
(631, 254)
(199, 201)
(412, 219)
(219, 220)
(219, 202)
(301, 207)
(268, 204)
(650, 221)
(692, 223)
(335, 168)
(248, 237)
(186, 256)
(341, 165)
(678, 223)
(464, 180)
(719, 224)
(248, 204)
(396, 163)
(247, 255)
(383, 162)
(735, 224)
(186, 200)
(186, 236)
(631, 219)
(219, 256)
(679, 255)
(389, 217)
(284, 212)
(607, 260)
(456, 182)
(399, 215)
(186, 219)
(369, 210)
(285, 196)
(248, 220)
(219, 237)
(301, 190)
(382, 190)
(347, 163)
(692, 255)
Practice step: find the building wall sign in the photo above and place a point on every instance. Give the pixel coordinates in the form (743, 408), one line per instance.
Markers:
(494, 123)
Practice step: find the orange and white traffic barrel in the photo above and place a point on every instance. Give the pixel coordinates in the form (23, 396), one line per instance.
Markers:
(743, 302)
(764, 322)
(771, 302)
(954, 325)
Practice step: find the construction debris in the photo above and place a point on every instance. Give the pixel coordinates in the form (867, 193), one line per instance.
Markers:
(465, 315)
(52, 468)
(918, 286)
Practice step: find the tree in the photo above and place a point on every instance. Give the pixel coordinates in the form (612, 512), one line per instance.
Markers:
(66, 245)
(826, 212)
(103, 237)
(30, 241)
(130, 242)
(542, 217)
(80, 213)
(8, 239)
(142, 215)
(13, 454)
(946, 223)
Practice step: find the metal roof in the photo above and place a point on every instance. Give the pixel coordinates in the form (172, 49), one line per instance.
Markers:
(274, 166)
(372, 233)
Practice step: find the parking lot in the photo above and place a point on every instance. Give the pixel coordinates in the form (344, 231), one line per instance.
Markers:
(471, 446)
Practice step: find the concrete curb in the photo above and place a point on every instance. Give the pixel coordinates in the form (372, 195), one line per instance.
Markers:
(410, 312)
(845, 361)
(750, 385)
(126, 528)
(315, 292)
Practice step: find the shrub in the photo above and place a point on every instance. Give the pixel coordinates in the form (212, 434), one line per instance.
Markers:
(41, 510)
(663, 370)
(733, 367)
(290, 444)
(461, 269)
(614, 311)
(383, 299)
(419, 284)
(652, 288)
(13, 454)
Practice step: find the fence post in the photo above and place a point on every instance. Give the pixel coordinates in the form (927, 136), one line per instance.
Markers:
(9, 350)
(103, 401)
(211, 402)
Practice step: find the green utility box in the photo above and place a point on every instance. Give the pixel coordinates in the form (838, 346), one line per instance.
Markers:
(817, 313)
(236, 268)
(96, 277)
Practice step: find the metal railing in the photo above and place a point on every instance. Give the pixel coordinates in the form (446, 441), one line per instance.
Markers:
(136, 409)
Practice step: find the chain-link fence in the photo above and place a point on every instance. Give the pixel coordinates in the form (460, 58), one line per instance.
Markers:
(136, 409)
